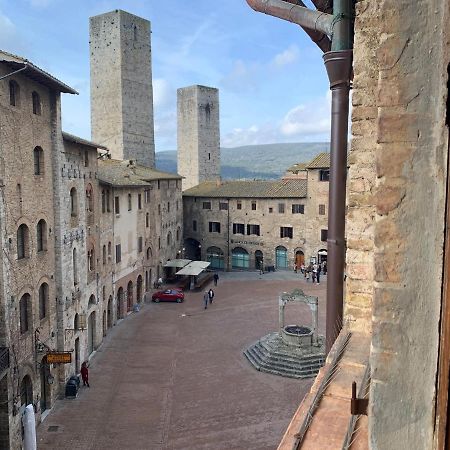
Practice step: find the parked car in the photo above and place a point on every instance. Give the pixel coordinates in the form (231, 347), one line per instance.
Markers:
(169, 295)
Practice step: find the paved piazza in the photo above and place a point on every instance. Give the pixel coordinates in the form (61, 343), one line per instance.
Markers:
(173, 376)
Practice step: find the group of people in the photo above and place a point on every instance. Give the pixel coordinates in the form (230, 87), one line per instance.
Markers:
(312, 271)
(208, 297)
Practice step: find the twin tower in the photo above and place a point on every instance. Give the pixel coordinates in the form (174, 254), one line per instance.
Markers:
(122, 101)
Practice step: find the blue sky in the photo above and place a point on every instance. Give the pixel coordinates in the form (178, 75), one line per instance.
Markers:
(272, 81)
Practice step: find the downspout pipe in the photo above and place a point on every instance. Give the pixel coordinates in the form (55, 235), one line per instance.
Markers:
(338, 64)
(300, 15)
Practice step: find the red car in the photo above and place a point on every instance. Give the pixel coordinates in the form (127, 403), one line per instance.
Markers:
(169, 295)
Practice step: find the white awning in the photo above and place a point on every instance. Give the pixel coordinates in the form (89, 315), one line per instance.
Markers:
(193, 268)
(322, 252)
(177, 263)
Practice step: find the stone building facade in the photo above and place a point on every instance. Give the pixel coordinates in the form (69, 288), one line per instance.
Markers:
(254, 224)
(198, 135)
(122, 96)
(397, 295)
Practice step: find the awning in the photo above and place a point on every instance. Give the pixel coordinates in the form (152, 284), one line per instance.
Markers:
(193, 268)
(177, 263)
(322, 252)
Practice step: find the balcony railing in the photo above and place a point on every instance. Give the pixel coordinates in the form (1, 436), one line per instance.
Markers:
(4, 359)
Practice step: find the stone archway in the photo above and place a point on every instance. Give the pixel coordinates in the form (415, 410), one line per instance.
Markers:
(91, 332)
(110, 312)
(299, 258)
(139, 289)
(119, 305)
(129, 296)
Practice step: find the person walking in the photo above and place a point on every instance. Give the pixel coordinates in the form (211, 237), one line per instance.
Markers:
(216, 279)
(324, 264)
(210, 296)
(319, 271)
(314, 273)
(205, 299)
(295, 267)
(85, 374)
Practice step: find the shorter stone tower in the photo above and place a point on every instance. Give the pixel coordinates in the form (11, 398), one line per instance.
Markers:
(198, 135)
(121, 86)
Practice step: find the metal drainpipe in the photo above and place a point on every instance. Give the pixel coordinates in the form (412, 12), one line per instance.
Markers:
(338, 64)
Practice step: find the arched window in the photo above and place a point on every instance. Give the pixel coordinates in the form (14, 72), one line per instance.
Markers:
(75, 267)
(73, 202)
(149, 253)
(169, 239)
(23, 242)
(41, 233)
(178, 233)
(14, 93)
(76, 323)
(109, 248)
(91, 259)
(92, 301)
(147, 220)
(36, 103)
(89, 198)
(26, 391)
(43, 300)
(25, 313)
(104, 254)
(38, 157)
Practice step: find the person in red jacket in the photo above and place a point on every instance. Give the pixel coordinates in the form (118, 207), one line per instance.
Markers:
(85, 374)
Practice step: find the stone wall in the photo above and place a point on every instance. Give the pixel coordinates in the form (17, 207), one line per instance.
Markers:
(121, 86)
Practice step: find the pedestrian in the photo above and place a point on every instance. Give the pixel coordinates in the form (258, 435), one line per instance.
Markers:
(314, 273)
(302, 268)
(205, 299)
(210, 296)
(261, 268)
(85, 374)
(324, 267)
(216, 279)
(319, 270)
(295, 267)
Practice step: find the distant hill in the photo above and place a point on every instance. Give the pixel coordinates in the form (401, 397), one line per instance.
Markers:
(253, 161)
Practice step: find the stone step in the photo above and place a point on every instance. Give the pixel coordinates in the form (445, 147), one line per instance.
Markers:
(296, 370)
(276, 346)
(276, 354)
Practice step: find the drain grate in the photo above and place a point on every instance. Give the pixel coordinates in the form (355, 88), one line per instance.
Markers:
(53, 428)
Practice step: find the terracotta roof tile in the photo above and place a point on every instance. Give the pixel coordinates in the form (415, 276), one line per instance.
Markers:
(321, 161)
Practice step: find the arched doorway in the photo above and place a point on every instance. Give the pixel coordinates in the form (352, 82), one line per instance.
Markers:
(129, 296)
(110, 312)
(91, 333)
(45, 391)
(26, 391)
(259, 260)
(322, 253)
(77, 355)
(147, 282)
(119, 303)
(299, 258)
(240, 258)
(281, 257)
(139, 289)
(104, 322)
(193, 249)
(214, 255)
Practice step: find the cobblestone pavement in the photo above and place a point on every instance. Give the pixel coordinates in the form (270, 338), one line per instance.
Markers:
(173, 376)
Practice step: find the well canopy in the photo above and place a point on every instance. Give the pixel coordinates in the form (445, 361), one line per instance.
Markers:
(177, 263)
(193, 268)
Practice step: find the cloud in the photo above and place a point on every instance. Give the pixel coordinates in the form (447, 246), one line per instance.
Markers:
(242, 77)
(286, 57)
(161, 93)
(307, 122)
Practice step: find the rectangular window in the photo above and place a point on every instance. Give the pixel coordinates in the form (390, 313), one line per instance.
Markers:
(270, 210)
(253, 206)
(323, 235)
(223, 206)
(118, 253)
(194, 225)
(206, 205)
(324, 175)
(239, 204)
(129, 202)
(298, 209)
(168, 206)
(159, 209)
(322, 210)
(147, 196)
(214, 227)
(86, 159)
(281, 208)
(286, 232)
(108, 206)
(116, 205)
(253, 229)
(140, 244)
(103, 201)
(139, 201)
(238, 228)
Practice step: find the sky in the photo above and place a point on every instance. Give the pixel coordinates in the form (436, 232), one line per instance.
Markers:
(271, 78)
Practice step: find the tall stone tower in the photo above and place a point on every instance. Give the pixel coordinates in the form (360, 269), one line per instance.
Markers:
(198, 134)
(121, 86)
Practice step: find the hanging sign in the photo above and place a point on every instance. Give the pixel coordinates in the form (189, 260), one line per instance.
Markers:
(59, 358)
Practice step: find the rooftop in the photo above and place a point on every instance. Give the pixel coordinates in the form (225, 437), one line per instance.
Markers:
(250, 189)
(321, 161)
(77, 140)
(35, 73)
(127, 173)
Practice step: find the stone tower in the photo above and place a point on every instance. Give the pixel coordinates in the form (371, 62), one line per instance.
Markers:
(121, 86)
(198, 135)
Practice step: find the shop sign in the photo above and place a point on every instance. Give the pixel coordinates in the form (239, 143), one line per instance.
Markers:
(59, 358)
